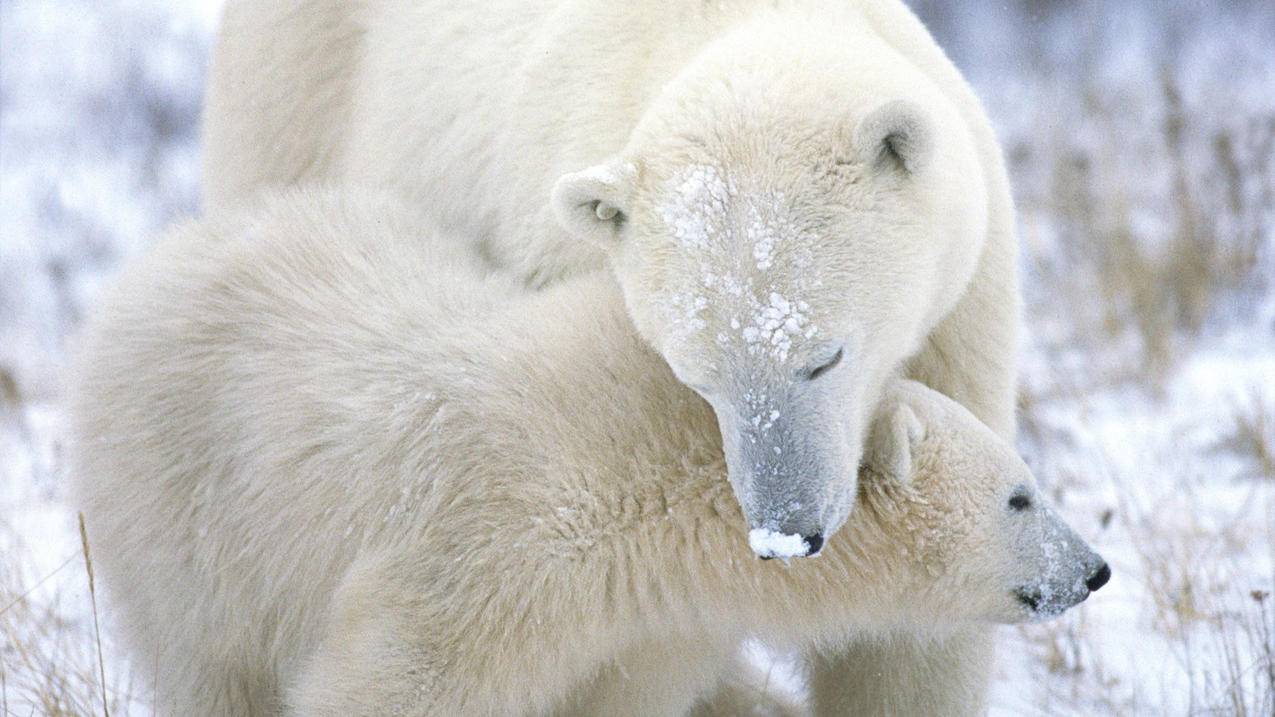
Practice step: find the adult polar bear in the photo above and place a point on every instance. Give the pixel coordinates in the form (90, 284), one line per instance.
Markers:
(840, 120)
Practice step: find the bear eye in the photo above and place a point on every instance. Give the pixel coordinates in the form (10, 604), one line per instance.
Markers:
(818, 371)
(607, 212)
(1020, 501)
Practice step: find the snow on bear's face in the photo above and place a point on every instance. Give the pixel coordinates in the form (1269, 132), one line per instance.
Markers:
(958, 507)
(785, 266)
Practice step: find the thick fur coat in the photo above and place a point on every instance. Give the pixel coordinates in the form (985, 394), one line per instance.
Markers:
(331, 468)
(479, 115)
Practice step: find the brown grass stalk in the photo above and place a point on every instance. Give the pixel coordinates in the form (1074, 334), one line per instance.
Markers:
(97, 631)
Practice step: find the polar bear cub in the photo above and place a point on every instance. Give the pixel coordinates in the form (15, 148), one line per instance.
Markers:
(331, 469)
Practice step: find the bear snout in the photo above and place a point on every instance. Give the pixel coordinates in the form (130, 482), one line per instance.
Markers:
(774, 544)
(1029, 598)
(814, 544)
(1099, 578)
(1047, 600)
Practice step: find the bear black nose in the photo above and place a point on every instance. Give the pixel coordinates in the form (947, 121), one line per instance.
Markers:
(814, 542)
(1099, 578)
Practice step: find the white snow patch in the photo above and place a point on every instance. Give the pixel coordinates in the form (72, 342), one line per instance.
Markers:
(775, 323)
(762, 236)
(696, 205)
(684, 313)
(773, 544)
(734, 236)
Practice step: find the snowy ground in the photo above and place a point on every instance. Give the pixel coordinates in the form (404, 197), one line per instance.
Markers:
(1141, 140)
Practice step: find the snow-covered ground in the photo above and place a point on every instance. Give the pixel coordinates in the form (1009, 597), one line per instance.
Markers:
(99, 105)
(1141, 141)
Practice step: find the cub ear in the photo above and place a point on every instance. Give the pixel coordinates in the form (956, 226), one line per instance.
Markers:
(592, 204)
(896, 432)
(895, 135)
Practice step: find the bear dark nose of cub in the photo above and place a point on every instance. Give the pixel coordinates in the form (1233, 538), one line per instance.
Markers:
(814, 543)
(1098, 579)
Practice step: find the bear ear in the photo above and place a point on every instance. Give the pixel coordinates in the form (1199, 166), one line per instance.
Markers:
(896, 432)
(592, 204)
(895, 135)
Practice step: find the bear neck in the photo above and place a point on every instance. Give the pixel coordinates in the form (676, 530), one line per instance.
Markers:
(627, 469)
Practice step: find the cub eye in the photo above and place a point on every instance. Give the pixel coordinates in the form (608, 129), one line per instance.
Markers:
(821, 370)
(1019, 501)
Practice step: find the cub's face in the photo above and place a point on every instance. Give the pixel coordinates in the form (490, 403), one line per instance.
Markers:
(784, 270)
(978, 537)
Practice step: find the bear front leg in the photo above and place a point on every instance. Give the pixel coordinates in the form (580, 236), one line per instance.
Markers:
(660, 676)
(368, 660)
(425, 630)
(905, 675)
(368, 673)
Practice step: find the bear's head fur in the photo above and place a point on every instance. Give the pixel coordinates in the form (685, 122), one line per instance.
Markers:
(954, 517)
(786, 233)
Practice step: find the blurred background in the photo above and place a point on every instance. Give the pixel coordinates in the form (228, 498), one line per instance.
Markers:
(1140, 137)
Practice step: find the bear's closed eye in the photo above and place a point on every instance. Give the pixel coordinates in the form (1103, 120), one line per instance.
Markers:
(819, 371)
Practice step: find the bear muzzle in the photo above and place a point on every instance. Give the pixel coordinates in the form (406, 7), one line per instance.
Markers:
(770, 544)
(1044, 601)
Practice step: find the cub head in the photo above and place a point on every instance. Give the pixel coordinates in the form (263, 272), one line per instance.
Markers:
(963, 529)
(785, 240)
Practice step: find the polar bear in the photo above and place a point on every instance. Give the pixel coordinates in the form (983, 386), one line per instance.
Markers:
(781, 192)
(797, 197)
(329, 468)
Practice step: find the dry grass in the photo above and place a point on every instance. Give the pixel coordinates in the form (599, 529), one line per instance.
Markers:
(97, 628)
(1251, 435)
(1146, 193)
(1152, 239)
(1221, 630)
(51, 661)
(1147, 200)
(1195, 598)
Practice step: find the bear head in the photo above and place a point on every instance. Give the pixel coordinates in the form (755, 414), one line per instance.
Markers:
(956, 523)
(788, 221)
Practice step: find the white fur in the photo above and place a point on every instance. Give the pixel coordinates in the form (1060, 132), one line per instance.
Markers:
(478, 114)
(328, 466)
